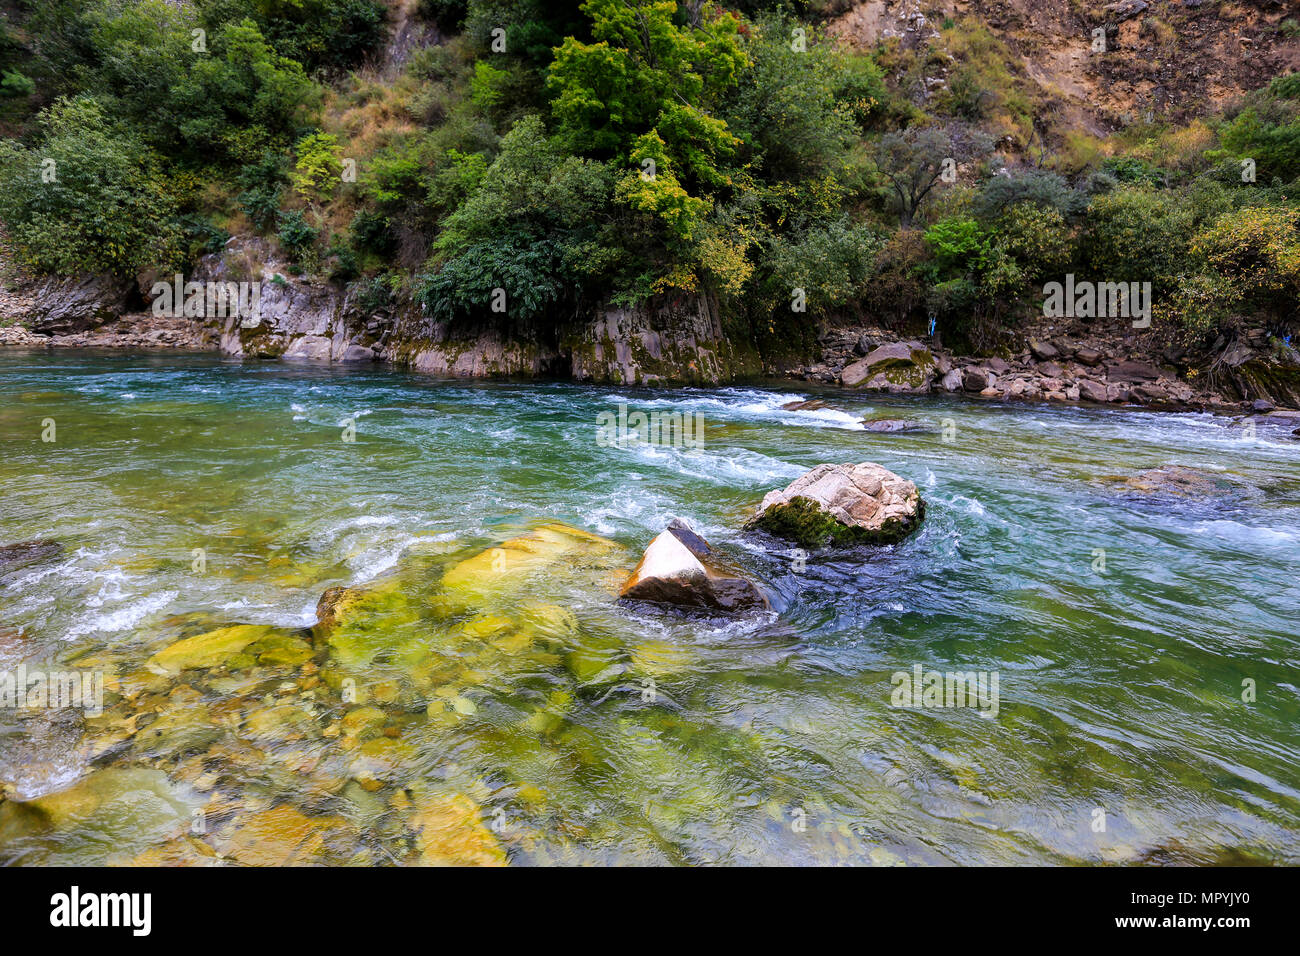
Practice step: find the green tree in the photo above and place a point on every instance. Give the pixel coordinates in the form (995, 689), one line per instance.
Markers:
(645, 73)
(316, 173)
(913, 162)
(89, 198)
(800, 107)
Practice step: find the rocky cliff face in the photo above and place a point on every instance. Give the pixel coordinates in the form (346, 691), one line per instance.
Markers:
(293, 318)
(666, 343)
(671, 342)
(1164, 60)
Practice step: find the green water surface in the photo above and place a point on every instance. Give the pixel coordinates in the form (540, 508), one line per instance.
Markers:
(486, 715)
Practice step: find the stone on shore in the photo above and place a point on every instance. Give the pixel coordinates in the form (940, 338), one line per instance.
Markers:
(680, 568)
(843, 505)
(1091, 391)
(900, 367)
(1043, 351)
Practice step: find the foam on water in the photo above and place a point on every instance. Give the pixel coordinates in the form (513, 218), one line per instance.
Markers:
(125, 617)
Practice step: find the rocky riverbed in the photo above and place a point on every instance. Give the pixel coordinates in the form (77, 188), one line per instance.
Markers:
(366, 616)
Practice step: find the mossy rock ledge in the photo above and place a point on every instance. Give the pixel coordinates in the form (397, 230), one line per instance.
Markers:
(842, 506)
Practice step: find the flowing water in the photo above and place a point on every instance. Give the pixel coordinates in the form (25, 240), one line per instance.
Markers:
(468, 708)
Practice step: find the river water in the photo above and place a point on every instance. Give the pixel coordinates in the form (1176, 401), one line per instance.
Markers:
(1146, 646)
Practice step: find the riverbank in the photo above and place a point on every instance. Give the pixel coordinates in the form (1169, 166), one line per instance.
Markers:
(852, 360)
(666, 343)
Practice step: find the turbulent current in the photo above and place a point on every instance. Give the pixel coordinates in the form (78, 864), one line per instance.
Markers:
(1146, 645)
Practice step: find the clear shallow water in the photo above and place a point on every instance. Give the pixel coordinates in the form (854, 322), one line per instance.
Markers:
(1119, 690)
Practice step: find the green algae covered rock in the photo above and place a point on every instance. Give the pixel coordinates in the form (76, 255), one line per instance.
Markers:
(842, 506)
(207, 650)
(362, 624)
(497, 575)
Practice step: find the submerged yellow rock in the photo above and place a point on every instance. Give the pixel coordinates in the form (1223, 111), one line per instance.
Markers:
(500, 570)
(450, 832)
(208, 650)
(362, 623)
(281, 836)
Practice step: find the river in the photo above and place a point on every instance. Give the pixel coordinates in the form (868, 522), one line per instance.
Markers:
(1146, 646)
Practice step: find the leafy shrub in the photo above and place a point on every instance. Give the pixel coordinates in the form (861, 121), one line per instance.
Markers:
(1135, 234)
(1255, 252)
(797, 110)
(14, 84)
(296, 235)
(375, 293)
(234, 101)
(328, 35)
(200, 236)
(1038, 238)
(832, 263)
(1267, 130)
(90, 198)
(370, 232)
(262, 183)
(1129, 169)
(532, 274)
(1038, 187)
(448, 14)
(316, 173)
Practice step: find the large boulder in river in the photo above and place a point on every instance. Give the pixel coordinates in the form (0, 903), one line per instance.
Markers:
(843, 505)
(680, 568)
(900, 367)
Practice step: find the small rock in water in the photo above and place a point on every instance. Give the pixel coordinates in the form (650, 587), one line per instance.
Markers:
(672, 572)
(14, 556)
(449, 831)
(843, 505)
(1178, 480)
(11, 645)
(810, 405)
(891, 425)
(207, 650)
(282, 836)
